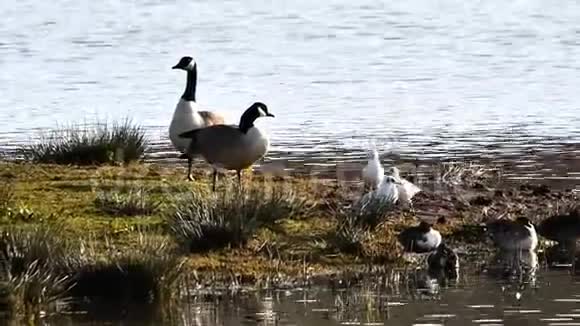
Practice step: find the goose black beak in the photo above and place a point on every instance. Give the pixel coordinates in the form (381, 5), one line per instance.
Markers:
(270, 115)
(175, 67)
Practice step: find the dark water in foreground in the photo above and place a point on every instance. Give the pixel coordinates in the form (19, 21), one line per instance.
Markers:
(495, 294)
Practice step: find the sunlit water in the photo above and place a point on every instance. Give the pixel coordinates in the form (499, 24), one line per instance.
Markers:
(445, 79)
(491, 296)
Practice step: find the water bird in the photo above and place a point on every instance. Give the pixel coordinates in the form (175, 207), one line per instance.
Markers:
(420, 239)
(187, 115)
(405, 188)
(385, 194)
(563, 228)
(231, 147)
(513, 235)
(373, 173)
(443, 260)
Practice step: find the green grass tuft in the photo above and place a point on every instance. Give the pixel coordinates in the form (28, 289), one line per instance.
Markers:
(131, 202)
(150, 274)
(82, 145)
(33, 270)
(202, 222)
(6, 197)
(355, 224)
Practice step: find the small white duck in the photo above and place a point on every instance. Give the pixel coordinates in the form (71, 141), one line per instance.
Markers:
(373, 173)
(406, 189)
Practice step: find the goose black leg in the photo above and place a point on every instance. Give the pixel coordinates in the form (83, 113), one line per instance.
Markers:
(189, 164)
(239, 173)
(214, 179)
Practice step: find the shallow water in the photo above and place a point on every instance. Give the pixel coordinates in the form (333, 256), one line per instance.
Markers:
(441, 80)
(491, 295)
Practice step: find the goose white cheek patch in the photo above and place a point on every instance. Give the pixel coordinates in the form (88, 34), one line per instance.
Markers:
(191, 65)
(262, 113)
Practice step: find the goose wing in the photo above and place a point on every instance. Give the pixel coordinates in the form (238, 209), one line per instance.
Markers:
(211, 118)
(225, 146)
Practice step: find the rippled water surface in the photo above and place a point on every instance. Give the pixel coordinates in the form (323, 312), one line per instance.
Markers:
(443, 79)
(504, 296)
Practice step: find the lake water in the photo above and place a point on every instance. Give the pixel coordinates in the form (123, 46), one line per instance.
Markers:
(441, 79)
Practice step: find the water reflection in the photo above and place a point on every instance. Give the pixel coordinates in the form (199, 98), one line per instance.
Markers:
(518, 265)
(512, 290)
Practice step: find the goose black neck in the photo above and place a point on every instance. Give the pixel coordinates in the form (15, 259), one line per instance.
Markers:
(189, 93)
(246, 124)
(248, 118)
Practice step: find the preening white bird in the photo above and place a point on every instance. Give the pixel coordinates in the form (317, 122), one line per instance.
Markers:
(373, 173)
(386, 193)
(406, 189)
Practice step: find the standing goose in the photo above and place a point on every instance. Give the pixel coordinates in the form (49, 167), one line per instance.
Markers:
(406, 189)
(230, 147)
(420, 239)
(187, 115)
(518, 235)
(373, 172)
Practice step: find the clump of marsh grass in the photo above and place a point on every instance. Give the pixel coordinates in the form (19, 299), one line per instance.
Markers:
(130, 202)
(33, 269)
(150, 274)
(368, 214)
(117, 142)
(202, 222)
(6, 197)
(355, 224)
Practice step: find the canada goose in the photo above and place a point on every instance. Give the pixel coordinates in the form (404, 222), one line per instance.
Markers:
(513, 235)
(564, 228)
(373, 173)
(406, 189)
(230, 147)
(420, 239)
(187, 115)
(385, 194)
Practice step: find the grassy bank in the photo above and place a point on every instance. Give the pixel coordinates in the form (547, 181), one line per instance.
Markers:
(276, 230)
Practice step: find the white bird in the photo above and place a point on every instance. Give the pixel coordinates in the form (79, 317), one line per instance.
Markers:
(373, 173)
(386, 193)
(187, 115)
(405, 188)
